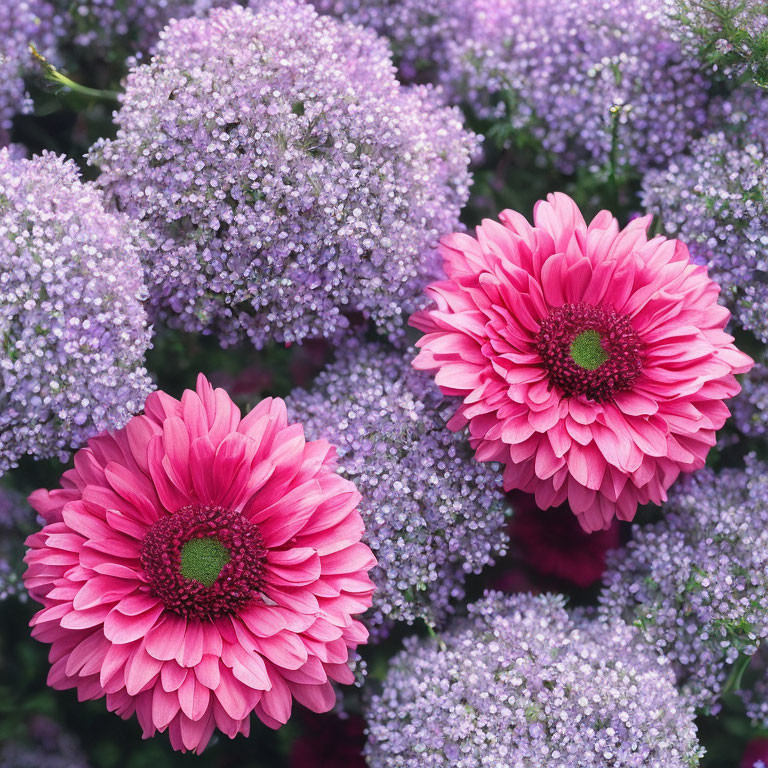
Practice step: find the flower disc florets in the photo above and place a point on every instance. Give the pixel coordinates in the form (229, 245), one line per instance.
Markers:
(204, 562)
(589, 350)
(282, 175)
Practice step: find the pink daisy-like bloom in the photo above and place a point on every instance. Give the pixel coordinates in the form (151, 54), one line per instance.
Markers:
(591, 360)
(197, 566)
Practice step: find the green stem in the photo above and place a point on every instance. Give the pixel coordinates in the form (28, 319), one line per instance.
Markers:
(613, 156)
(737, 673)
(53, 75)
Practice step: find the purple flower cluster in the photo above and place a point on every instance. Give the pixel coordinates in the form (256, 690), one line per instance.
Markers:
(419, 31)
(749, 408)
(597, 83)
(135, 25)
(21, 22)
(432, 514)
(72, 327)
(16, 522)
(697, 582)
(732, 35)
(47, 746)
(522, 683)
(283, 175)
(756, 696)
(716, 200)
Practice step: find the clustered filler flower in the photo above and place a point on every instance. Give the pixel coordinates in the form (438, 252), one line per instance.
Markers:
(750, 407)
(21, 22)
(600, 83)
(47, 745)
(697, 582)
(419, 31)
(72, 326)
(197, 566)
(111, 27)
(590, 360)
(16, 521)
(716, 200)
(729, 35)
(522, 683)
(283, 175)
(432, 514)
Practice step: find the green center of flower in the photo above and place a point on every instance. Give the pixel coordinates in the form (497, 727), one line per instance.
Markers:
(587, 350)
(203, 559)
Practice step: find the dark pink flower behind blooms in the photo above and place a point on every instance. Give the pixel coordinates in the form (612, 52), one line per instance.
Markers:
(591, 361)
(328, 741)
(553, 544)
(197, 566)
(757, 751)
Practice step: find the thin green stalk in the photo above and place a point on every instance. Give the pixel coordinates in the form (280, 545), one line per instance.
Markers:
(54, 76)
(737, 673)
(613, 156)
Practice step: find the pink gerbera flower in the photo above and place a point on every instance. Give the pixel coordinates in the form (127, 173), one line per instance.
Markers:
(197, 567)
(591, 361)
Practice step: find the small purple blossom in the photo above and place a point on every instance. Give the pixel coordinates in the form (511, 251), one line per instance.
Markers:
(749, 408)
(46, 745)
(419, 31)
(17, 520)
(72, 326)
(697, 582)
(597, 83)
(715, 199)
(432, 514)
(134, 25)
(283, 176)
(730, 35)
(522, 683)
(755, 697)
(21, 22)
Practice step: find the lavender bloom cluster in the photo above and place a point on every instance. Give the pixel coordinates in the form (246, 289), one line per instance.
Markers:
(432, 514)
(16, 521)
(47, 746)
(716, 200)
(749, 408)
(755, 697)
(21, 22)
(597, 83)
(283, 175)
(732, 35)
(72, 327)
(419, 31)
(133, 25)
(697, 582)
(522, 683)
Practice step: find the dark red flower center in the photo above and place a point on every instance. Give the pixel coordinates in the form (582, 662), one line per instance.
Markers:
(204, 562)
(588, 350)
